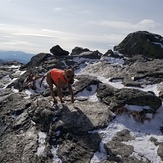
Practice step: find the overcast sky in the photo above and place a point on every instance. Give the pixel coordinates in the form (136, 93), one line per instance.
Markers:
(35, 26)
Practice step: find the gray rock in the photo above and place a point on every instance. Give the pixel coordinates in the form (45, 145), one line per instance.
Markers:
(19, 147)
(115, 149)
(123, 135)
(120, 152)
(37, 60)
(120, 97)
(89, 54)
(58, 51)
(74, 122)
(79, 50)
(141, 42)
(160, 151)
(84, 82)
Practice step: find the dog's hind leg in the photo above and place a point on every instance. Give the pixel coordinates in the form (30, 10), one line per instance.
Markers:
(50, 83)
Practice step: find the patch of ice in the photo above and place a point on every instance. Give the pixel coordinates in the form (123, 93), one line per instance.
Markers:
(81, 67)
(112, 60)
(14, 90)
(29, 92)
(14, 66)
(56, 159)
(11, 81)
(136, 107)
(158, 43)
(40, 150)
(117, 83)
(81, 59)
(90, 94)
(152, 88)
(41, 141)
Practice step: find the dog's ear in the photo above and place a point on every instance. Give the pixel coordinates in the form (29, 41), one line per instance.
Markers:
(65, 70)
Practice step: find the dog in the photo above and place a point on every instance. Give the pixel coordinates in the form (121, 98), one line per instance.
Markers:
(61, 79)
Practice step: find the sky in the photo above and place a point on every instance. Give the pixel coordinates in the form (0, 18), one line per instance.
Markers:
(35, 26)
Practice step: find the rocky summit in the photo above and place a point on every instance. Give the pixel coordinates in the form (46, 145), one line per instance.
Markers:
(142, 42)
(117, 116)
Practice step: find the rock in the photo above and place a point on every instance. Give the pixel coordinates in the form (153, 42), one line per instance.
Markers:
(74, 123)
(160, 88)
(10, 63)
(79, 50)
(37, 60)
(75, 120)
(85, 53)
(120, 97)
(19, 138)
(115, 149)
(19, 147)
(8, 71)
(141, 42)
(123, 135)
(50, 64)
(146, 71)
(78, 149)
(160, 151)
(84, 82)
(58, 51)
(118, 151)
(110, 53)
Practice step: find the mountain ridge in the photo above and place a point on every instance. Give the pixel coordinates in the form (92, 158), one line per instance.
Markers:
(20, 56)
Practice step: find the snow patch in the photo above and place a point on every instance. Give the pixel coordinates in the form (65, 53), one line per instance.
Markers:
(141, 131)
(41, 141)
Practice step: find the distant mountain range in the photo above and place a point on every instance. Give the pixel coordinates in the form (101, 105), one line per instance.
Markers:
(15, 56)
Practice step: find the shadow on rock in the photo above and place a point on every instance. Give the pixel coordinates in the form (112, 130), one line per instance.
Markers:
(76, 143)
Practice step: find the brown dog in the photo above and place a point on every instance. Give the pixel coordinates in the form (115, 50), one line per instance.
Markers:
(61, 79)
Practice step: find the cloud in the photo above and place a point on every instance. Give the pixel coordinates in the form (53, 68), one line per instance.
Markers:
(99, 35)
(146, 24)
(57, 9)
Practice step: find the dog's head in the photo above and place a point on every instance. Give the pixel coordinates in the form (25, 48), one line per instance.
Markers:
(69, 75)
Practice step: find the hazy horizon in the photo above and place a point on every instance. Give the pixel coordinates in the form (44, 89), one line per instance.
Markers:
(36, 26)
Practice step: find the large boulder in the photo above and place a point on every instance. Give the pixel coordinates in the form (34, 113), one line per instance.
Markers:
(141, 42)
(76, 143)
(84, 82)
(58, 51)
(79, 50)
(86, 53)
(37, 60)
(120, 97)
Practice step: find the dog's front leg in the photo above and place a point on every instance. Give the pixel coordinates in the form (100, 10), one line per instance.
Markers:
(71, 93)
(59, 91)
(52, 93)
(60, 95)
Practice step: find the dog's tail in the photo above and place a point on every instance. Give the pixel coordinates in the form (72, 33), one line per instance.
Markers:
(42, 80)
